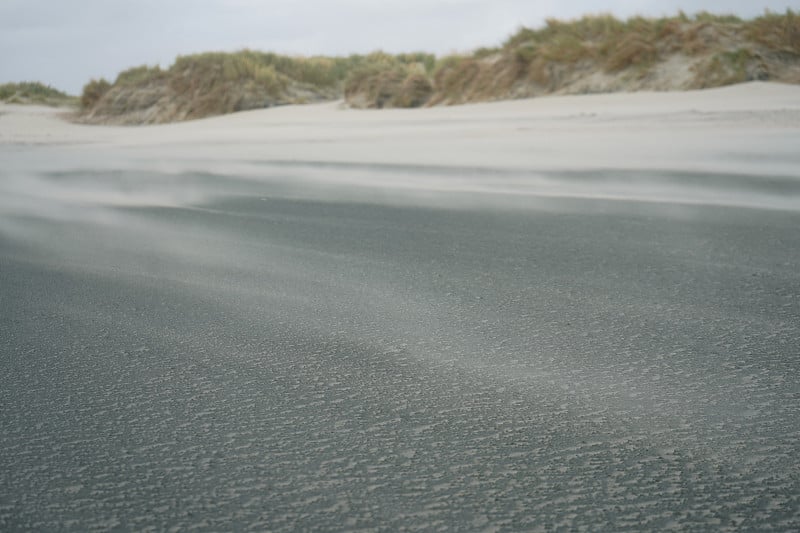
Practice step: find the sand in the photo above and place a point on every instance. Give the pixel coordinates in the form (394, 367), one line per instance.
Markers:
(576, 313)
(747, 130)
(745, 127)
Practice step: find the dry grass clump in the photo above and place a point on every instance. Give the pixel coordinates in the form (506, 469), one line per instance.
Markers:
(218, 83)
(779, 33)
(93, 92)
(633, 50)
(727, 68)
(415, 91)
(382, 80)
(206, 72)
(34, 92)
(373, 86)
(456, 77)
(461, 79)
(139, 75)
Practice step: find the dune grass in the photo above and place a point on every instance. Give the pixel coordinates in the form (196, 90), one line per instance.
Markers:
(722, 49)
(205, 84)
(780, 33)
(212, 83)
(93, 92)
(559, 56)
(384, 80)
(34, 92)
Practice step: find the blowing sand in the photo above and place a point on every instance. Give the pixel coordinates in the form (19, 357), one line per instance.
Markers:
(498, 317)
(507, 147)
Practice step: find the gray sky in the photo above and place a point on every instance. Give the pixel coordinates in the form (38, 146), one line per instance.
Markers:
(65, 43)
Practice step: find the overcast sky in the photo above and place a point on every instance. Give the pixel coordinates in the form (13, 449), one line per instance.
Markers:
(65, 43)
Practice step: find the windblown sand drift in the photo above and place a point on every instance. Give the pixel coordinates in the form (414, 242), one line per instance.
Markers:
(648, 142)
(507, 316)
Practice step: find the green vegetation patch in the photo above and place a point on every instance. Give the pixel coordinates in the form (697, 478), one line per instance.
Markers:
(34, 92)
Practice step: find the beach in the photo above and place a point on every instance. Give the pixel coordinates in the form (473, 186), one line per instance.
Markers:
(572, 312)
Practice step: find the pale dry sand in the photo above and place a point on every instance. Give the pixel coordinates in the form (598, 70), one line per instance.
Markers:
(504, 147)
(744, 128)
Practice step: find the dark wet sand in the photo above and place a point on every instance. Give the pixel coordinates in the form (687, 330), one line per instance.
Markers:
(273, 361)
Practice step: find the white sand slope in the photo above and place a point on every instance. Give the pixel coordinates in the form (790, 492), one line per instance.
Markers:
(702, 128)
(746, 130)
